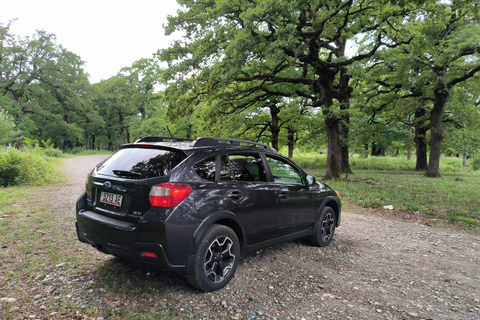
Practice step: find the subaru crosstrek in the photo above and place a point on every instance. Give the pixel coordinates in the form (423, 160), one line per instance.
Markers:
(195, 207)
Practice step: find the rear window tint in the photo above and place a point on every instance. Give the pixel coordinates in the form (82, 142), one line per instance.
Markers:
(206, 169)
(140, 163)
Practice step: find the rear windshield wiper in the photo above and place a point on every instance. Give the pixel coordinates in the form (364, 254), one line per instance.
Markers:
(125, 173)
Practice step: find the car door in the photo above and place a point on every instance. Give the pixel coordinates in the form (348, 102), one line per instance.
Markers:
(248, 194)
(297, 201)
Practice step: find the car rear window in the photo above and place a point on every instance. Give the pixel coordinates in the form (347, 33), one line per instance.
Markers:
(141, 163)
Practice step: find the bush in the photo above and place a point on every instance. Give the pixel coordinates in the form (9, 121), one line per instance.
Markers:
(54, 153)
(476, 163)
(24, 167)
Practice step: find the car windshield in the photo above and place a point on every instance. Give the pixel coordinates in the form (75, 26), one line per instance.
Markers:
(141, 163)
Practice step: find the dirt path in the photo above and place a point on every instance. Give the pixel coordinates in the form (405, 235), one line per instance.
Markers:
(374, 269)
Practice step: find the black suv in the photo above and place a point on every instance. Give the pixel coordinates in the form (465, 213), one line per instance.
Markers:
(196, 206)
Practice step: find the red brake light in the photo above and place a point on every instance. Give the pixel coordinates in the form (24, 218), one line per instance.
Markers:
(149, 254)
(169, 195)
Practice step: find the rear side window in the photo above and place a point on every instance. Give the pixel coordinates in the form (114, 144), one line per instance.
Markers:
(206, 169)
(140, 163)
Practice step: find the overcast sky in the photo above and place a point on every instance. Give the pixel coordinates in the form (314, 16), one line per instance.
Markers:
(106, 34)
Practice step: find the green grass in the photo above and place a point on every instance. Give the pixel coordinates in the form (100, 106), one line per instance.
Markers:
(381, 181)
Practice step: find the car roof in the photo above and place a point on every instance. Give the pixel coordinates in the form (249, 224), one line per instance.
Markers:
(189, 144)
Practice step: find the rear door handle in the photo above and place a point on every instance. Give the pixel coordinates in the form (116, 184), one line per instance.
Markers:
(235, 195)
(283, 195)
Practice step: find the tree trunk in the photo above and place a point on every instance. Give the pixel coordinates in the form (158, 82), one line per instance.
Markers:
(291, 141)
(344, 98)
(334, 155)
(374, 151)
(436, 134)
(142, 112)
(410, 135)
(274, 129)
(122, 128)
(356, 145)
(110, 144)
(344, 147)
(420, 140)
(464, 159)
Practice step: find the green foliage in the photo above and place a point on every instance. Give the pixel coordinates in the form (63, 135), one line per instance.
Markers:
(476, 163)
(8, 132)
(46, 86)
(24, 167)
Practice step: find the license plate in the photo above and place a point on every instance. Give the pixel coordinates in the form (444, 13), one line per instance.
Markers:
(111, 198)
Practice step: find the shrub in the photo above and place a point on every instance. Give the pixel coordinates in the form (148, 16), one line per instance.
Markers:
(54, 153)
(476, 163)
(24, 167)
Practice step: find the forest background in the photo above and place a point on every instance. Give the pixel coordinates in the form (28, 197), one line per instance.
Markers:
(277, 72)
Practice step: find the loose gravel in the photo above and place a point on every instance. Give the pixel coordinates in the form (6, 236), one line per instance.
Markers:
(375, 268)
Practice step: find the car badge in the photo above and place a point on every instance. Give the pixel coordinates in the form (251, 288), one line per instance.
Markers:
(107, 185)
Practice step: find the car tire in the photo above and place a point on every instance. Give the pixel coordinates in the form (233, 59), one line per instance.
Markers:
(216, 259)
(325, 229)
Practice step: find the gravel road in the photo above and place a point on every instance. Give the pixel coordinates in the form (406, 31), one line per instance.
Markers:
(375, 268)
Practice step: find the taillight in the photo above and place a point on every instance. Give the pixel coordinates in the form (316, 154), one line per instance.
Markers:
(168, 195)
(86, 182)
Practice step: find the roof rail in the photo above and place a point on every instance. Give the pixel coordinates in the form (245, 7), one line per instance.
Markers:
(160, 139)
(204, 142)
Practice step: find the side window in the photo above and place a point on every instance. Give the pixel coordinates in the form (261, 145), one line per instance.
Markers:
(225, 170)
(247, 167)
(206, 169)
(283, 172)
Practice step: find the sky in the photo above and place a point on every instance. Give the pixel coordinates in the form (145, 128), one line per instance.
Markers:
(107, 35)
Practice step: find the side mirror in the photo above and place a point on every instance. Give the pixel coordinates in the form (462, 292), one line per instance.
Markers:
(311, 180)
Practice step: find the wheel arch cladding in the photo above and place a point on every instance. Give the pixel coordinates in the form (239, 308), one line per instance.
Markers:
(225, 218)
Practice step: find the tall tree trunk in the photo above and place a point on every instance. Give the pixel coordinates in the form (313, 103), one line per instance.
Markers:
(122, 128)
(464, 159)
(122, 132)
(87, 145)
(420, 140)
(291, 141)
(142, 112)
(128, 134)
(436, 135)
(344, 98)
(274, 129)
(356, 144)
(410, 135)
(374, 151)
(334, 155)
(110, 144)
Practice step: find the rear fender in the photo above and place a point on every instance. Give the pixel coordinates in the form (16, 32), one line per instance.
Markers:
(225, 218)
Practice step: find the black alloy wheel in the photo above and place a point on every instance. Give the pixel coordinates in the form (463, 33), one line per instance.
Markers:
(326, 228)
(216, 258)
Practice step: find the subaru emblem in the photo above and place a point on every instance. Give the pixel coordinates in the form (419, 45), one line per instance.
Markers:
(107, 185)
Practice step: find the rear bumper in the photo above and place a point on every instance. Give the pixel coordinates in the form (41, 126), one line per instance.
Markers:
(143, 243)
(145, 254)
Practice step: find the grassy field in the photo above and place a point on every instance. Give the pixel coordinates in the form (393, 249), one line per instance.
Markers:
(451, 200)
